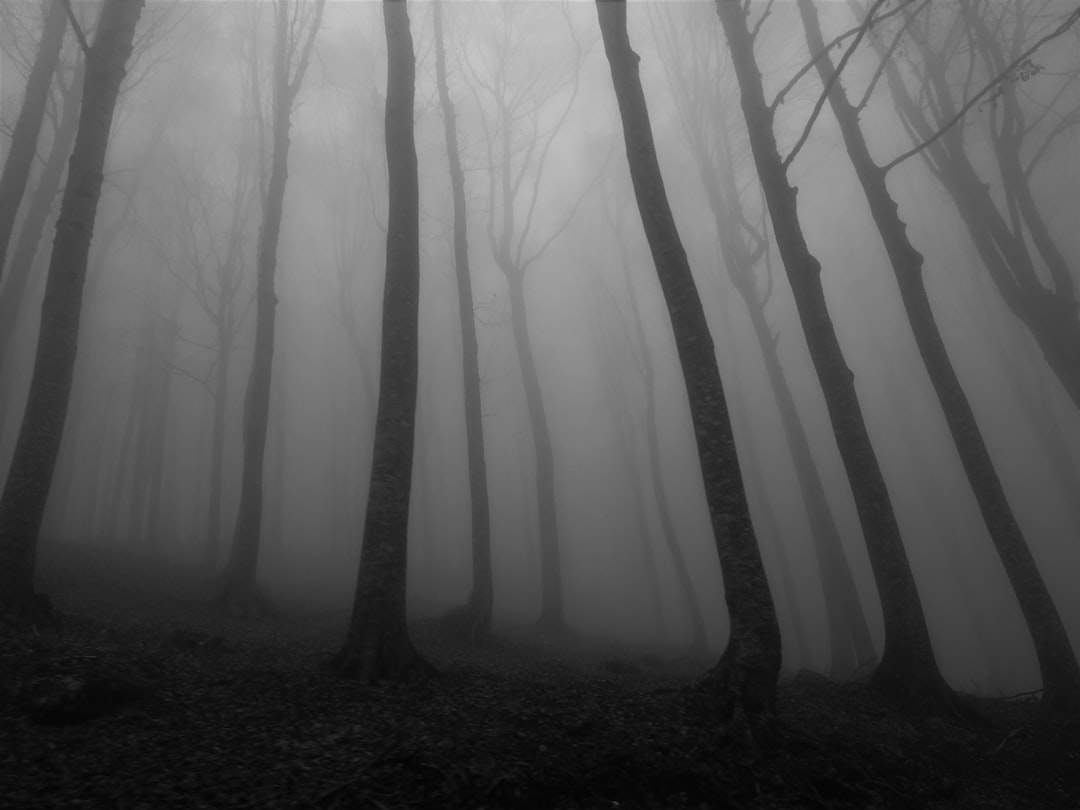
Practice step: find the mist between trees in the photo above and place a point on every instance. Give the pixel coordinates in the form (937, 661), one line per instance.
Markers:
(752, 332)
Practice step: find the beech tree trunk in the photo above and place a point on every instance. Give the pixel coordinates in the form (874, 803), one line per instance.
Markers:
(478, 608)
(378, 646)
(1057, 662)
(30, 476)
(908, 670)
(24, 136)
(745, 677)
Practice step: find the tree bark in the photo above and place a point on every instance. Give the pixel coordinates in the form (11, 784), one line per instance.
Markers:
(24, 136)
(908, 671)
(378, 646)
(478, 608)
(1058, 664)
(33, 464)
(745, 677)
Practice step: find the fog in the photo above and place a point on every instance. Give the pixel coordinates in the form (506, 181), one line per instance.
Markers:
(176, 232)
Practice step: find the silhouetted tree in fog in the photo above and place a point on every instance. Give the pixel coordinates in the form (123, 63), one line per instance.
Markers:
(1006, 224)
(745, 677)
(292, 53)
(378, 646)
(517, 108)
(31, 472)
(24, 136)
(477, 611)
(908, 670)
(706, 103)
(1058, 664)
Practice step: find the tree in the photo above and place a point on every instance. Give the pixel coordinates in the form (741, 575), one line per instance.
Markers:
(292, 52)
(24, 136)
(1057, 662)
(27, 487)
(706, 103)
(908, 670)
(745, 677)
(477, 611)
(378, 646)
(1011, 237)
(515, 147)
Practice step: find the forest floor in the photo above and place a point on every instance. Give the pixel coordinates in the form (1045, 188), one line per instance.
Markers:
(143, 697)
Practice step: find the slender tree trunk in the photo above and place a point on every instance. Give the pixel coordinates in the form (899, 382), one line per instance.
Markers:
(24, 136)
(907, 670)
(478, 609)
(745, 677)
(1058, 664)
(212, 548)
(238, 588)
(30, 476)
(378, 646)
(551, 593)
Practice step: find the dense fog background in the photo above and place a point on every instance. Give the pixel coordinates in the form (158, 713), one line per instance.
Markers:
(183, 174)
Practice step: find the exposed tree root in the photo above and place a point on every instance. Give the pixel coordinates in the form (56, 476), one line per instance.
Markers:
(735, 688)
(382, 656)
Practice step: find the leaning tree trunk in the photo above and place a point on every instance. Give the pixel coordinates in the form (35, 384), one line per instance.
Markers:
(378, 646)
(1057, 663)
(908, 670)
(31, 472)
(238, 589)
(745, 677)
(24, 136)
(477, 613)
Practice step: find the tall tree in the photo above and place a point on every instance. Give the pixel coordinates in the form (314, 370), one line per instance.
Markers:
(30, 476)
(378, 646)
(706, 106)
(1057, 662)
(908, 670)
(745, 677)
(24, 136)
(296, 25)
(518, 146)
(477, 611)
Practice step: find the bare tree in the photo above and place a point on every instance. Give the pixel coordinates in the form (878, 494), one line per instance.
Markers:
(908, 670)
(1057, 662)
(745, 677)
(30, 476)
(477, 611)
(517, 151)
(378, 646)
(296, 25)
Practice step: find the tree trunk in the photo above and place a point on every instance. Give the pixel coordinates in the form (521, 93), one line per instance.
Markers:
(30, 476)
(238, 590)
(745, 677)
(212, 547)
(551, 591)
(24, 136)
(28, 244)
(478, 608)
(1058, 664)
(378, 645)
(908, 671)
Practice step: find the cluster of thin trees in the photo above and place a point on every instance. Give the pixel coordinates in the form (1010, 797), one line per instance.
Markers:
(936, 62)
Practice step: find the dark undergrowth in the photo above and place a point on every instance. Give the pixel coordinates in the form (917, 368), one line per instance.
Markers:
(143, 697)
